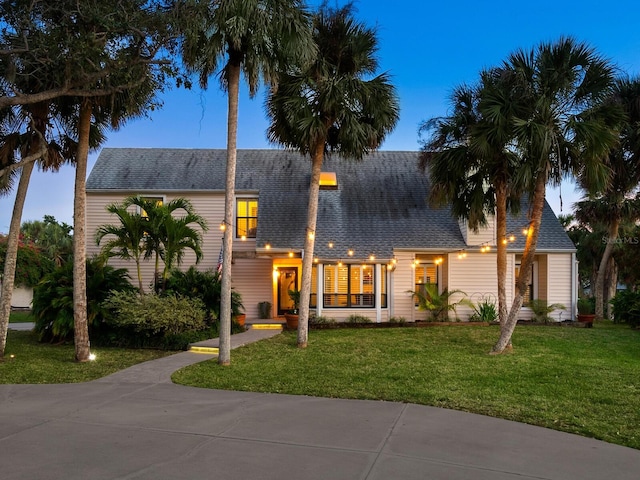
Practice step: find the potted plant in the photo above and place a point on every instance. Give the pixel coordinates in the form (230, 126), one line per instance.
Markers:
(586, 310)
(264, 309)
(292, 315)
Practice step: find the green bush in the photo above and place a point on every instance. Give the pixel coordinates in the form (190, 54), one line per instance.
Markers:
(358, 319)
(53, 299)
(542, 310)
(153, 315)
(484, 311)
(626, 308)
(205, 286)
(31, 264)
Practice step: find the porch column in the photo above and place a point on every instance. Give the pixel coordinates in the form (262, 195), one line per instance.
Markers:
(378, 300)
(320, 289)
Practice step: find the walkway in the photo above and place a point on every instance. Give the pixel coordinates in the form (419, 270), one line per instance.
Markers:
(136, 425)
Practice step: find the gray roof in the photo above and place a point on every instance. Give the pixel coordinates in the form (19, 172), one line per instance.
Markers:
(379, 205)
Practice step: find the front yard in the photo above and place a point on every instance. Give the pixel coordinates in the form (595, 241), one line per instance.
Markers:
(583, 381)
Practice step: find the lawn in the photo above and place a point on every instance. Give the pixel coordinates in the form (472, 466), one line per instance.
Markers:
(20, 317)
(34, 362)
(578, 380)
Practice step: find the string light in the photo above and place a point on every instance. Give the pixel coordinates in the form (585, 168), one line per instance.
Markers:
(372, 257)
(330, 244)
(350, 252)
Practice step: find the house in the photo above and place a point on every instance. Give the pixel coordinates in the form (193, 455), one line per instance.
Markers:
(376, 239)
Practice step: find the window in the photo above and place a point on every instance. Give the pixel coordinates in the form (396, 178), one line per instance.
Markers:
(352, 286)
(158, 203)
(425, 274)
(247, 217)
(328, 181)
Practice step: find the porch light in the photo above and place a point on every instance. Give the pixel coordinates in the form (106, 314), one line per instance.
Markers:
(268, 246)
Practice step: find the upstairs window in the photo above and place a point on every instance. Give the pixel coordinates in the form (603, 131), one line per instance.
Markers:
(246, 217)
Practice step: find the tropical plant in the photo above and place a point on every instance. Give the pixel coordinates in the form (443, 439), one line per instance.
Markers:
(126, 239)
(484, 311)
(257, 38)
(53, 305)
(294, 295)
(438, 304)
(542, 310)
(615, 203)
(54, 239)
(626, 308)
(565, 126)
(31, 264)
(205, 286)
(333, 103)
(586, 305)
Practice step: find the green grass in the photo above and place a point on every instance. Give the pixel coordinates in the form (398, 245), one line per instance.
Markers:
(20, 317)
(35, 362)
(578, 380)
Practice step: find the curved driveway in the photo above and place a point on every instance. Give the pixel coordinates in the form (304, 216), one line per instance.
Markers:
(137, 425)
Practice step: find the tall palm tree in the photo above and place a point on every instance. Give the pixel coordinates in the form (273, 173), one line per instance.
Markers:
(257, 38)
(126, 239)
(333, 104)
(471, 164)
(566, 128)
(617, 203)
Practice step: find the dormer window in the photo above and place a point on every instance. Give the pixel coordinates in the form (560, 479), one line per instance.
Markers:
(328, 181)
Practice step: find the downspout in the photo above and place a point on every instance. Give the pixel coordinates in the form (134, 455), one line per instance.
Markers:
(574, 285)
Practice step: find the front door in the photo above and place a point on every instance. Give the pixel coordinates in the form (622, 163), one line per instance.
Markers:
(287, 280)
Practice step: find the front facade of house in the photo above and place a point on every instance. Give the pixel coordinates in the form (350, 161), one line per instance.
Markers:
(376, 238)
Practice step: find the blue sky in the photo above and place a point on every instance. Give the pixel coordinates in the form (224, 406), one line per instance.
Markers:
(428, 48)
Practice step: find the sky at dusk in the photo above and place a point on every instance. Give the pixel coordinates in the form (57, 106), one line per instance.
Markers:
(428, 48)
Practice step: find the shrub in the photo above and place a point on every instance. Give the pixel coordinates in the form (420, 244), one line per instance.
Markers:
(53, 298)
(205, 286)
(31, 264)
(153, 315)
(626, 308)
(586, 305)
(484, 311)
(542, 310)
(358, 319)
(399, 320)
(321, 320)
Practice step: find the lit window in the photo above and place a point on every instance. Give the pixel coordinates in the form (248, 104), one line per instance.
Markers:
(352, 286)
(247, 217)
(157, 201)
(425, 274)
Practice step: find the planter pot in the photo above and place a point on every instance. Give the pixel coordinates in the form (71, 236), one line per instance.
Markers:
(586, 318)
(292, 320)
(240, 319)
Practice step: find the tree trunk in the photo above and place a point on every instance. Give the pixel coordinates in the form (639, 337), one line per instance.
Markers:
(80, 323)
(8, 278)
(224, 353)
(309, 244)
(602, 268)
(526, 266)
(139, 273)
(611, 287)
(501, 261)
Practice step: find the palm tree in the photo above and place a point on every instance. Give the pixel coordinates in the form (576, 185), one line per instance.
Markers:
(126, 239)
(331, 104)
(567, 127)
(471, 164)
(616, 202)
(257, 38)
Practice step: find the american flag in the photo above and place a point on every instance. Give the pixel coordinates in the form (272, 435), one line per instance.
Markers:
(220, 258)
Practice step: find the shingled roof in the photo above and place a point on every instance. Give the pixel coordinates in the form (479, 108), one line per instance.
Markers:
(380, 203)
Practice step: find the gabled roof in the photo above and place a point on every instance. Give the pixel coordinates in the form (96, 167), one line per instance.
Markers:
(380, 203)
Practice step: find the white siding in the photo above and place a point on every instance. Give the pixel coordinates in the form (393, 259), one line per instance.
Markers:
(403, 278)
(253, 279)
(559, 283)
(21, 297)
(485, 235)
(476, 276)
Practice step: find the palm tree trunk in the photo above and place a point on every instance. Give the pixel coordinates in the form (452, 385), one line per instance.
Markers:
(139, 273)
(501, 261)
(526, 266)
(309, 244)
(80, 323)
(8, 277)
(611, 285)
(602, 269)
(233, 78)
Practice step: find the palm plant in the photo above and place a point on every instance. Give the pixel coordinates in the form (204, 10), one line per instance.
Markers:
(565, 126)
(439, 304)
(472, 163)
(258, 38)
(125, 240)
(615, 203)
(331, 104)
